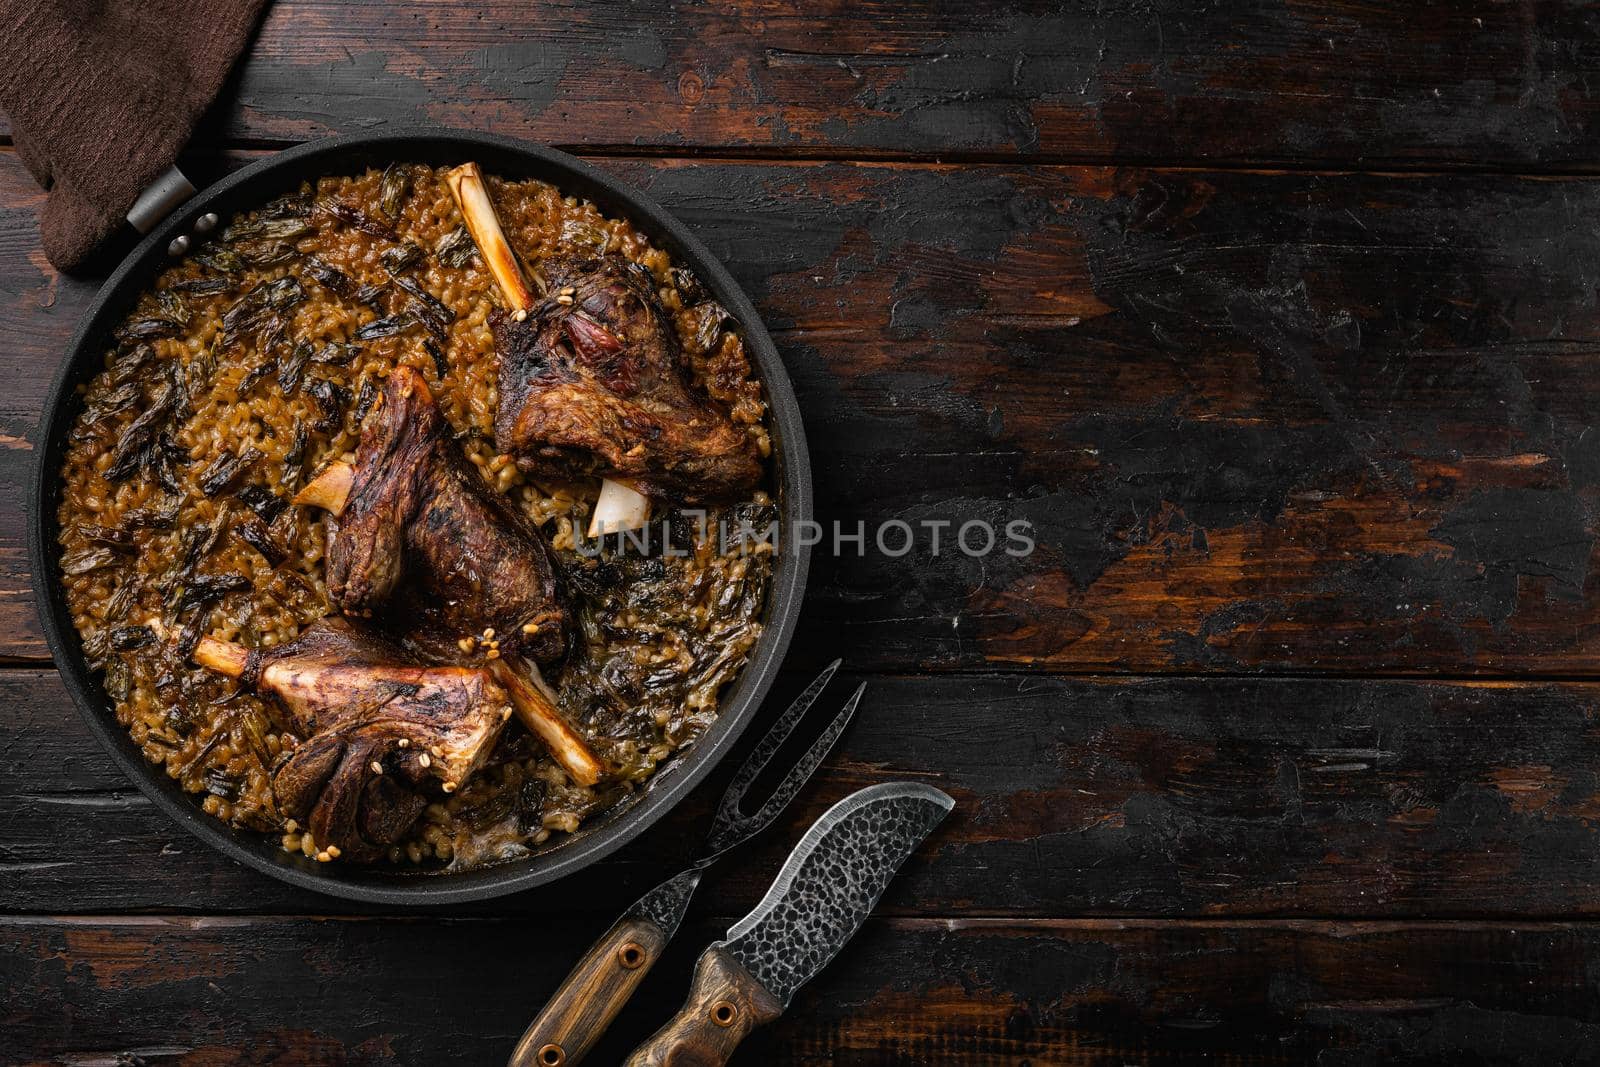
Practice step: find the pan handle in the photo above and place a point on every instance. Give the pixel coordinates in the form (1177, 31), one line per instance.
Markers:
(170, 189)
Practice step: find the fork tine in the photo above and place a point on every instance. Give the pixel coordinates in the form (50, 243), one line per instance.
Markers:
(775, 736)
(801, 771)
(731, 827)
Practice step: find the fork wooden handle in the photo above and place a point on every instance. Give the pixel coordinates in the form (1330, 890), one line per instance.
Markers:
(590, 998)
(725, 1004)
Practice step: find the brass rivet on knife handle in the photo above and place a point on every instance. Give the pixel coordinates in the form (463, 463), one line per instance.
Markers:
(590, 998)
(725, 1004)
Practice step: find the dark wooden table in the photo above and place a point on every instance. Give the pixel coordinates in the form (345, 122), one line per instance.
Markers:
(1278, 321)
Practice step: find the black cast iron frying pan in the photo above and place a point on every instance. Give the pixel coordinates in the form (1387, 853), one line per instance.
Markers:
(254, 186)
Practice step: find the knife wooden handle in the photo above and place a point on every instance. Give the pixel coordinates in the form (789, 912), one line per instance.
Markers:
(590, 998)
(725, 1003)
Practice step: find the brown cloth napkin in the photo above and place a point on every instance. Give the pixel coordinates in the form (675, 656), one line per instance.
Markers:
(102, 95)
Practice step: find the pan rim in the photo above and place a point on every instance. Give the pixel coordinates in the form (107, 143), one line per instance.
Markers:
(330, 155)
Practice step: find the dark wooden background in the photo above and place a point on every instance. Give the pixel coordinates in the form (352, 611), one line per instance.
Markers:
(1278, 321)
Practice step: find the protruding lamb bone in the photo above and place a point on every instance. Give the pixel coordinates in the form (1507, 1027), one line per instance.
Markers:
(472, 197)
(540, 716)
(330, 489)
(619, 509)
(224, 657)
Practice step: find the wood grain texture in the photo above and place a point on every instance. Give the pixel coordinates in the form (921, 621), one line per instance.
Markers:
(1329, 81)
(1298, 421)
(214, 991)
(602, 982)
(1140, 797)
(725, 1005)
(1288, 422)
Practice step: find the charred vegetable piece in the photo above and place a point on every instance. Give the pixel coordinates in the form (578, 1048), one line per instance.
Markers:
(688, 285)
(225, 470)
(129, 638)
(330, 278)
(387, 326)
(119, 680)
(441, 366)
(336, 354)
(456, 249)
(272, 255)
(350, 215)
(584, 232)
(198, 372)
(260, 372)
(401, 258)
(123, 599)
(372, 296)
(197, 544)
(219, 783)
(149, 329)
(264, 228)
(331, 399)
(365, 397)
(255, 533)
(296, 205)
(711, 320)
(110, 537)
(393, 189)
(129, 361)
(107, 402)
(85, 560)
(206, 589)
(151, 518)
(174, 307)
(427, 307)
(133, 447)
(293, 367)
(260, 307)
(220, 258)
(262, 501)
(203, 286)
(294, 460)
(164, 458)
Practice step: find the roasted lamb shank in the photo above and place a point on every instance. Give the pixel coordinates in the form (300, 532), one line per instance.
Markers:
(592, 377)
(592, 382)
(418, 536)
(420, 539)
(383, 732)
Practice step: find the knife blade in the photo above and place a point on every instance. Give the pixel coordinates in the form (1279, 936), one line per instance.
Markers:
(825, 890)
(605, 978)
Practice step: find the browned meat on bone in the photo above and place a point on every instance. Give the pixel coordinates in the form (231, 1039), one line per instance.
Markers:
(384, 733)
(423, 538)
(592, 382)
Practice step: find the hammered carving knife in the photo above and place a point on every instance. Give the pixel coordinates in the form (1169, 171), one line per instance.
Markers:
(826, 889)
(606, 977)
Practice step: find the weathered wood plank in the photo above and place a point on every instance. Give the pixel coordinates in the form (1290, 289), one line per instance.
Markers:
(251, 990)
(1258, 421)
(1131, 797)
(1329, 81)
